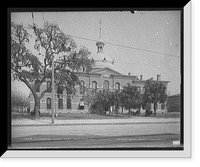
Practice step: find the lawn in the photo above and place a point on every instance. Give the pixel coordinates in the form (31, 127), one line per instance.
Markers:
(70, 116)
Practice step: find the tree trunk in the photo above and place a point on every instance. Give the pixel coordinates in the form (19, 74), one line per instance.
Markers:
(88, 111)
(117, 111)
(22, 111)
(129, 111)
(139, 109)
(36, 108)
(155, 107)
(122, 109)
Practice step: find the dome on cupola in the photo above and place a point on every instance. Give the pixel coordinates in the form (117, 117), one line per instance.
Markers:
(101, 60)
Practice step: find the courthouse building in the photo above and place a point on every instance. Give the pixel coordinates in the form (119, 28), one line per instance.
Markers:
(102, 76)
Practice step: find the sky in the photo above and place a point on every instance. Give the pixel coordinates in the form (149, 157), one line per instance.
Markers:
(144, 43)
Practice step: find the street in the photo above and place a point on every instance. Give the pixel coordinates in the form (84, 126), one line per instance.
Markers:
(96, 135)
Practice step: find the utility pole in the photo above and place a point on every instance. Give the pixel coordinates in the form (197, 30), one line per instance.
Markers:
(52, 92)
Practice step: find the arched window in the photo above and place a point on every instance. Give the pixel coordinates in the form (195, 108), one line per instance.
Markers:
(94, 86)
(106, 85)
(60, 103)
(69, 104)
(117, 86)
(48, 103)
(82, 87)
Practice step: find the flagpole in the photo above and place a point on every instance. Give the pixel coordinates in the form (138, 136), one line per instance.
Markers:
(33, 18)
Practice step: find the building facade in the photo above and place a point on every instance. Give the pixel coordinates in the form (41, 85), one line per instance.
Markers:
(173, 103)
(102, 76)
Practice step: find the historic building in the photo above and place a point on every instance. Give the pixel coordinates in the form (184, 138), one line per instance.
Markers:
(102, 76)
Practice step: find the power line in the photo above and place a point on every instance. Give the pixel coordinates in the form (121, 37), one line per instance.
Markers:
(142, 50)
(153, 65)
(129, 47)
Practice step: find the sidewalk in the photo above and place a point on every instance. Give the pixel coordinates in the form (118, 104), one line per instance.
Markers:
(132, 120)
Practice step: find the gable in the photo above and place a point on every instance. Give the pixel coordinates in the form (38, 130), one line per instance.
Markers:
(106, 71)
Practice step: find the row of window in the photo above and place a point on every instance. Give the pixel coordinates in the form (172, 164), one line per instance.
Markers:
(60, 103)
(106, 85)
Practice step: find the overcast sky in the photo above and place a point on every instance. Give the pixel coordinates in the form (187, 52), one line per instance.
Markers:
(144, 43)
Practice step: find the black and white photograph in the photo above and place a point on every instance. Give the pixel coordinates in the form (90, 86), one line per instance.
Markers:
(106, 80)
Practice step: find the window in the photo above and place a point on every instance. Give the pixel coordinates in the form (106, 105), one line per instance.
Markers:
(69, 105)
(94, 86)
(81, 105)
(48, 103)
(49, 86)
(82, 87)
(60, 103)
(117, 86)
(106, 85)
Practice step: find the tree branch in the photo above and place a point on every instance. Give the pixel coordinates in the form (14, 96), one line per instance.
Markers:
(29, 86)
(42, 94)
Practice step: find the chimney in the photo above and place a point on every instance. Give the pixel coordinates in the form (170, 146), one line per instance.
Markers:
(158, 77)
(140, 77)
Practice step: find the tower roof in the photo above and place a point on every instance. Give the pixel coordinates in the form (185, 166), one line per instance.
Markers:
(99, 43)
(101, 60)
